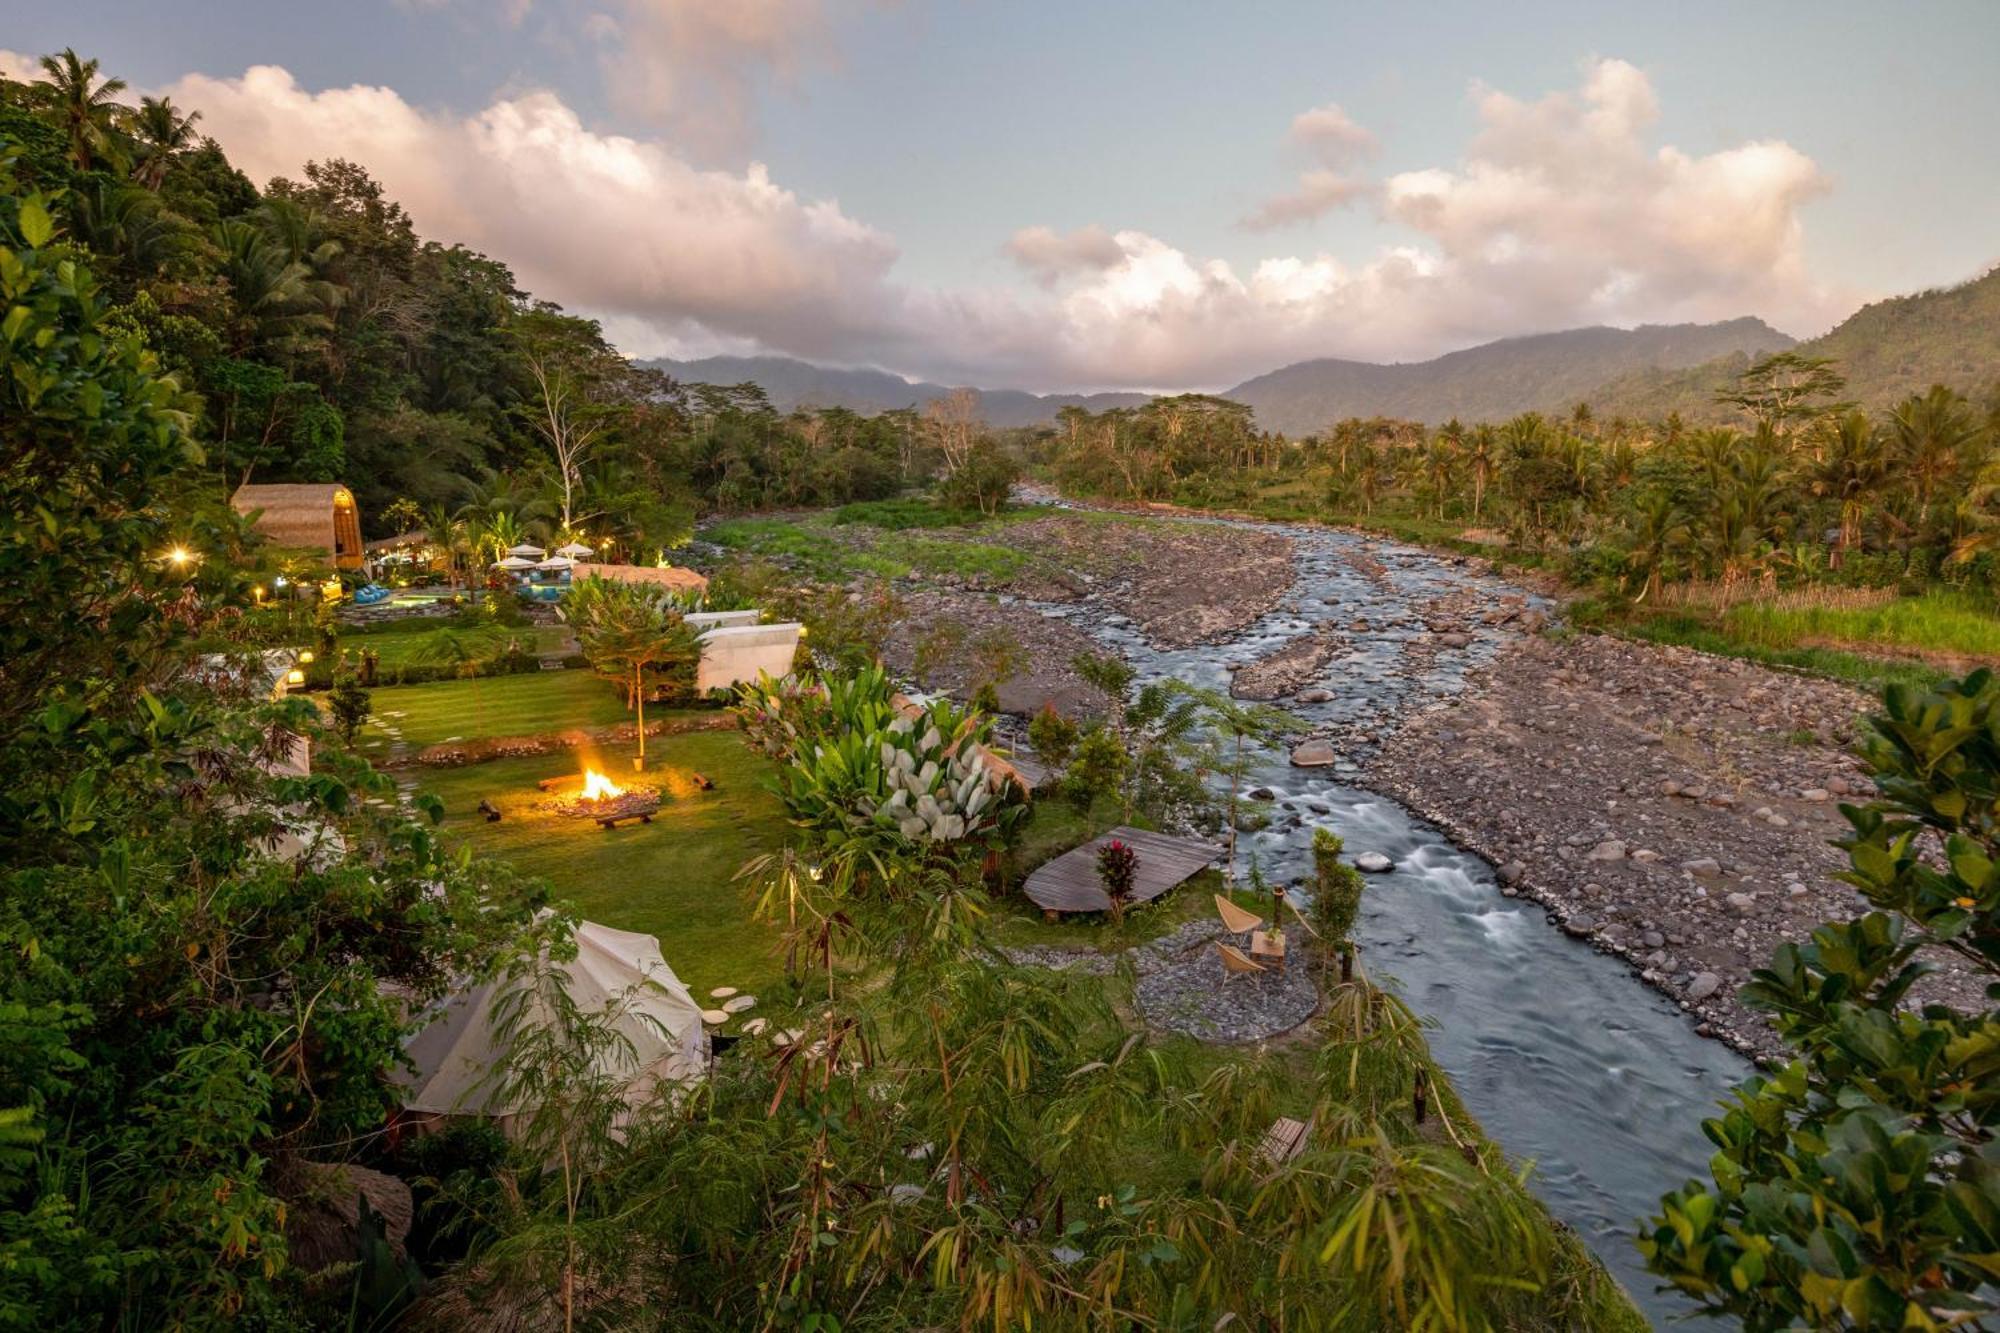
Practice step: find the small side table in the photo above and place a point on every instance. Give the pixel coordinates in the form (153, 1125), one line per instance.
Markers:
(1269, 944)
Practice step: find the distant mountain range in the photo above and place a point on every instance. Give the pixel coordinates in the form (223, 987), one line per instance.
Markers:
(1887, 350)
(1538, 373)
(790, 384)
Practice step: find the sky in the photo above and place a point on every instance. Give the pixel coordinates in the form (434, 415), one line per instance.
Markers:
(1125, 193)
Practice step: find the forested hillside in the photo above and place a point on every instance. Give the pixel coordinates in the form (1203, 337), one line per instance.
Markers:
(1539, 373)
(1887, 351)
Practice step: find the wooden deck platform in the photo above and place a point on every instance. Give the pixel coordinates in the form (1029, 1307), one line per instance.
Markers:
(1070, 884)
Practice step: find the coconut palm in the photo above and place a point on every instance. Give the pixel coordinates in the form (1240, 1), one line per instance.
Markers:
(1852, 470)
(1935, 435)
(161, 131)
(130, 223)
(1481, 455)
(1659, 524)
(282, 303)
(85, 107)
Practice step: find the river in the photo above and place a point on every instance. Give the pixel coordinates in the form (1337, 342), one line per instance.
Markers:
(1568, 1060)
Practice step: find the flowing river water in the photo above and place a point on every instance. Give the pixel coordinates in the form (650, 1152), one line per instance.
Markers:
(1568, 1060)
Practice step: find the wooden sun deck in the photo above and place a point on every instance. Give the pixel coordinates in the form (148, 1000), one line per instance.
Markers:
(1070, 884)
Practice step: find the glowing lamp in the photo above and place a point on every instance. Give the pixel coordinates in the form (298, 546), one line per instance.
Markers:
(305, 656)
(296, 676)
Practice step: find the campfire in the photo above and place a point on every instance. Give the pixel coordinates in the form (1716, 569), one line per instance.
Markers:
(601, 799)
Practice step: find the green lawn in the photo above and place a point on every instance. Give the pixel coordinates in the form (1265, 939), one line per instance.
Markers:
(670, 878)
(526, 704)
(399, 645)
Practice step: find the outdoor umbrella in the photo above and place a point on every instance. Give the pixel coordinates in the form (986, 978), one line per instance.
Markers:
(527, 550)
(575, 550)
(514, 562)
(556, 562)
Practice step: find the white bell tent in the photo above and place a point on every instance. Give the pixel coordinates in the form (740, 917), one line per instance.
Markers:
(617, 973)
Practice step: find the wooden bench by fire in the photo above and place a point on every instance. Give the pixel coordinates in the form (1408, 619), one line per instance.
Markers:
(1285, 1140)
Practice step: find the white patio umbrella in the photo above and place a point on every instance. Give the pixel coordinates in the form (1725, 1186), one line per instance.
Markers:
(514, 562)
(557, 562)
(575, 550)
(527, 550)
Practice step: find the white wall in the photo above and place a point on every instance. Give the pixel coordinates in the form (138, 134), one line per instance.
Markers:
(702, 620)
(732, 654)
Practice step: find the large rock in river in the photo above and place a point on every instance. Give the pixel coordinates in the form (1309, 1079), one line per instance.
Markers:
(1314, 754)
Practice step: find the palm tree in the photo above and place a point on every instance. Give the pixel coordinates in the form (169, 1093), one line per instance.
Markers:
(1854, 467)
(130, 223)
(1440, 465)
(1935, 434)
(86, 109)
(1481, 451)
(281, 301)
(445, 533)
(162, 131)
(1659, 524)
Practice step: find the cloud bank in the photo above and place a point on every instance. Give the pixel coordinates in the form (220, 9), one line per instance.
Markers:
(1560, 212)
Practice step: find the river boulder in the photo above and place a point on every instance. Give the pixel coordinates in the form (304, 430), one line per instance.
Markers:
(1314, 754)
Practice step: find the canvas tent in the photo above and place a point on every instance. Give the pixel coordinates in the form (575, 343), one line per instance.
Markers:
(616, 972)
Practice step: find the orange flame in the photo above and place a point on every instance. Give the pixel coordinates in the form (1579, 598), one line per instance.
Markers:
(597, 787)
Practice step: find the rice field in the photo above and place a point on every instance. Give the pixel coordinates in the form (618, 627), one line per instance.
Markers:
(1936, 624)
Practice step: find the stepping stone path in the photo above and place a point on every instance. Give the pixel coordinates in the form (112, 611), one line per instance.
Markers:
(722, 992)
(739, 1004)
(713, 1016)
(755, 1026)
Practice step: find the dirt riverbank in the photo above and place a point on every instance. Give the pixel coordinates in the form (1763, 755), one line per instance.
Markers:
(1670, 807)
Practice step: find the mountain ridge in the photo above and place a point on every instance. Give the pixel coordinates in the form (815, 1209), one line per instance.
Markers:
(1887, 350)
(791, 383)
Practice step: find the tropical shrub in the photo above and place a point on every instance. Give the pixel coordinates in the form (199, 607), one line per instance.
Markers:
(864, 772)
(1859, 1186)
(1053, 737)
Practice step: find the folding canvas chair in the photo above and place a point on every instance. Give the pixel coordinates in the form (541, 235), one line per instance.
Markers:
(1235, 961)
(1237, 920)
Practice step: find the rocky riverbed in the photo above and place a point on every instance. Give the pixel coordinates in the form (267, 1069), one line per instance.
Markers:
(1178, 583)
(1673, 808)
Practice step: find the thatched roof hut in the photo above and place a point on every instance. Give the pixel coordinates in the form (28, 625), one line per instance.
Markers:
(665, 576)
(315, 516)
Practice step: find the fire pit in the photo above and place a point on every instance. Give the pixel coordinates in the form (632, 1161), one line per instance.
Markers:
(599, 798)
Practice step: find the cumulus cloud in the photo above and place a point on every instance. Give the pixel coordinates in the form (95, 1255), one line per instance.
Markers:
(20, 68)
(1330, 136)
(1561, 213)
(692, 65)
(614, 225)
(1319, 192)
(1049, 255)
